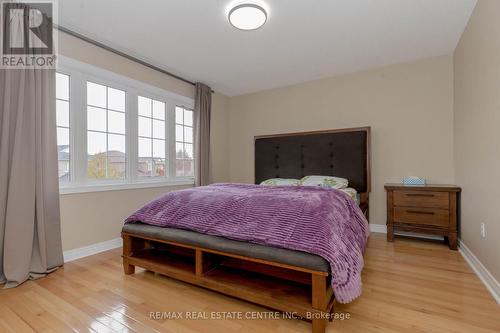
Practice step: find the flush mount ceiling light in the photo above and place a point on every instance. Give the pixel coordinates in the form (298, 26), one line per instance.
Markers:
(247, 16)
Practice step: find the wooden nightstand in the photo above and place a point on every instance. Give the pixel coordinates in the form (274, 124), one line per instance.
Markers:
(429, 209)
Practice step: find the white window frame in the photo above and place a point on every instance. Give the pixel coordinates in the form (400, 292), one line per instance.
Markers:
(83, 140)
(79, 74)
(170, 174)
(70, 129)
(184, 108)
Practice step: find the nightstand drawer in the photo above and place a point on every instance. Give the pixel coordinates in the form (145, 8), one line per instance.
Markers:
(424, 216)
(431, 199)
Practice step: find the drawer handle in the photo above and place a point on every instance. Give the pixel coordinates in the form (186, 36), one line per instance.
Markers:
(419, 195)
(419, 212)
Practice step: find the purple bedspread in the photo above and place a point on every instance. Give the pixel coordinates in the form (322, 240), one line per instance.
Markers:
(324, 222)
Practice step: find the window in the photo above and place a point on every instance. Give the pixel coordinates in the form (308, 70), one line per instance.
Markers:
(63, 128)
(152, 134)
(184, 152)
(106, 151)
(123, 133)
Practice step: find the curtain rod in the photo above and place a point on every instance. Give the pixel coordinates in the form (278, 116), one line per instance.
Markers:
(117, 52)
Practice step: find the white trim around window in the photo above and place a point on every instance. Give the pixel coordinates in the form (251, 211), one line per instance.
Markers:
(79, 74)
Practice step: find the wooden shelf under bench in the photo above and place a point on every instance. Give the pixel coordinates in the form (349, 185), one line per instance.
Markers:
(270, 284)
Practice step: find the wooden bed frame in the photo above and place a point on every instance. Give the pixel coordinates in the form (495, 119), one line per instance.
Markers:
(304, 292)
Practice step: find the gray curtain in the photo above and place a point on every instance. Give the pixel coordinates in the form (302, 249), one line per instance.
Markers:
(202, 111)
(30, 233)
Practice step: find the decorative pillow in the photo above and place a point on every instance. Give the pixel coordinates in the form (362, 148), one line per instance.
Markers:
(324, 181)
(281, 182)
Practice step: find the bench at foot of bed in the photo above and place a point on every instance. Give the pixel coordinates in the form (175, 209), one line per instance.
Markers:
(297, 291)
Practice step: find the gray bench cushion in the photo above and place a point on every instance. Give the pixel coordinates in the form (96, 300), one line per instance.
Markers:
(283, 256)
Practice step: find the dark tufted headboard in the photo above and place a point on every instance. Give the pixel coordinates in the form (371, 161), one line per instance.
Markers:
(342, 153)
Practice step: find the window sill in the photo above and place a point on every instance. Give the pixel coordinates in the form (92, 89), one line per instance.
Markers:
(124, 186)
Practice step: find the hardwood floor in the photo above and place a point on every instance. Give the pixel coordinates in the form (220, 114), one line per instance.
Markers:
(408, 286)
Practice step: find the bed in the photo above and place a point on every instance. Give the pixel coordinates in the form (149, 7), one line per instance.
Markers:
(286, 279)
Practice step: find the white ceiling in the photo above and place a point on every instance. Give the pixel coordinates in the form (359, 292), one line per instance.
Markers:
(302, 40)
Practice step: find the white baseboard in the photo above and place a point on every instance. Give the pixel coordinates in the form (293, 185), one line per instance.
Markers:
(415, 235)
(484, 275)
(382, 229)
(378, 228)
(89, 250)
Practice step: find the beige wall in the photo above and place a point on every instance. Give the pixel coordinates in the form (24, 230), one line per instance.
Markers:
(77, 49)
(219, 147)
(94, 217)
(409, 107)
(477, 135)
(89, 218)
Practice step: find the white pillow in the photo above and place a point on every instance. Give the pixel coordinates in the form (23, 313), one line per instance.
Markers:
(324, 181)
(281, 182)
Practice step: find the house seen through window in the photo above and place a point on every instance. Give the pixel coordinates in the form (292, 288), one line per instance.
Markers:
(114, 131)
(184, 151)
(106, 153)
(63, 127)
(152, 142)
